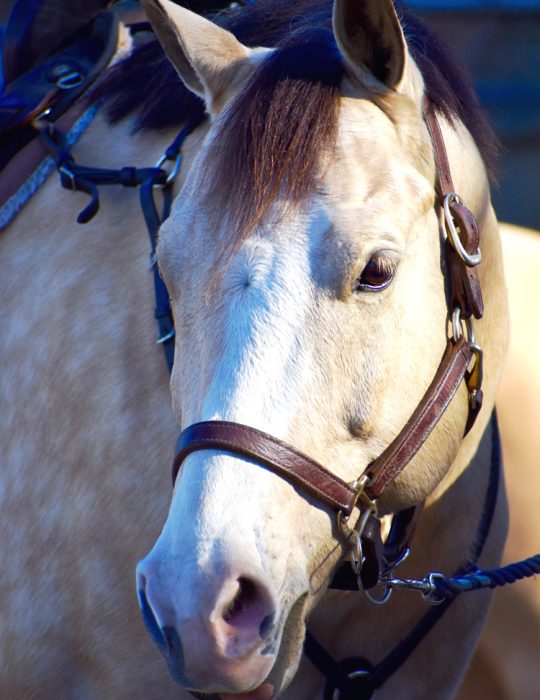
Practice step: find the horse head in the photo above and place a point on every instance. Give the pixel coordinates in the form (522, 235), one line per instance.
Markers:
(303, 258)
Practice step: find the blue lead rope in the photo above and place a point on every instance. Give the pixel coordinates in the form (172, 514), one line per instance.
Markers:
(492, 578)
(436, 587)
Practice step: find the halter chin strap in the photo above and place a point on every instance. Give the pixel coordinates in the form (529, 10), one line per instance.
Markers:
(464, 301)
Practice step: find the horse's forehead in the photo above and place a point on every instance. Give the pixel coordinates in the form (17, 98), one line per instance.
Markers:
(379, 154)
(370, 184)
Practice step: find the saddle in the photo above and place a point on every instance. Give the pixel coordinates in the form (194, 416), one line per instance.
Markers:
(50, 53)
(51, 85)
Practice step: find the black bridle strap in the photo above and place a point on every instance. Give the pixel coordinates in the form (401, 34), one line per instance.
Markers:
(74, 176)
(153, 219)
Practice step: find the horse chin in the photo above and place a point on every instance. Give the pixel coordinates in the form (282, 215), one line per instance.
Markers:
(264, 692)
(291, 648)
(228, 683)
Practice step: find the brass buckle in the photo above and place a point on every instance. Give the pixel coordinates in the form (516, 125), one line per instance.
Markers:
(361, 495)
(475, 376)
(361, 498)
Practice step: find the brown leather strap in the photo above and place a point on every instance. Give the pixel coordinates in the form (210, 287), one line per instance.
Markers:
(463, 281)
(25, 162)
(311, 476)
(265, 449)
(444, 183)
(449, 376)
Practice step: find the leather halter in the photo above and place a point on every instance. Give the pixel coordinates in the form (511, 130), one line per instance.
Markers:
(464, 301)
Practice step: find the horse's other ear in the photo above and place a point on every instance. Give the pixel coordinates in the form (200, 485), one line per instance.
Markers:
(371, 40)
(207, 58)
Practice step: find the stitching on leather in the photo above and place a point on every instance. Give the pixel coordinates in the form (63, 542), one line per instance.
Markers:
(443, 392)
(227, 444)
(238, 428)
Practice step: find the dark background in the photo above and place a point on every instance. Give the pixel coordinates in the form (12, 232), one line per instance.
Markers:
(499, 42)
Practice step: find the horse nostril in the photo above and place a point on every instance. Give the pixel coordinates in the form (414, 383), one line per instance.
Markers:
(151, 623)
(247, 618)
(249, 604)
(244, 597)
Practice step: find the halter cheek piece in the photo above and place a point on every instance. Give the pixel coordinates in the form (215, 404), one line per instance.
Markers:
(462, 254)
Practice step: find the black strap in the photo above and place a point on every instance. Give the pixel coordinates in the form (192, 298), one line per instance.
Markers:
(163, 311)
(350, 677)
(74, 176)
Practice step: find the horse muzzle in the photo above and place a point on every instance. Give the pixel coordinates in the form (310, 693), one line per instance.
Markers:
(221, 642)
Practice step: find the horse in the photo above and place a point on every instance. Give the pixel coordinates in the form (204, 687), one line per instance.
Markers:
(304, 257)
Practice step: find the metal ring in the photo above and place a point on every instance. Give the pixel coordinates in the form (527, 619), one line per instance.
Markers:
(453, 235)
(385, 596)
(357, 552)
(171, 177)
(457, 326)
(40, 122)
(336, 695)
(430, 596)
(70, 80)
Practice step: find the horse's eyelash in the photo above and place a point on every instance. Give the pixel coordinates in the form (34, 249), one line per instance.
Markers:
(384, 263)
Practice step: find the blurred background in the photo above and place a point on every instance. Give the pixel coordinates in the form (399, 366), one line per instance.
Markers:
(499, 43)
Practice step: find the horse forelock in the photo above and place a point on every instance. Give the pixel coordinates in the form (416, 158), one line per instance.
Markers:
(164, 101)
(271, 139)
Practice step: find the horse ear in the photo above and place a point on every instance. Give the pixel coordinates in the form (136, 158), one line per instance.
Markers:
(371, 40)
(207, 58)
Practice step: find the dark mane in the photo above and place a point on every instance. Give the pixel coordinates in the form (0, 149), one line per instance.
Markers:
(272, 136)
(287, 115)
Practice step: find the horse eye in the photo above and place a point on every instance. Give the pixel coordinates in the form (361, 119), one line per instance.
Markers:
(377, 275)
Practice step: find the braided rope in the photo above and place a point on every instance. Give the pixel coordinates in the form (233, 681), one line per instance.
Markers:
(437, 587)
(493, 578)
